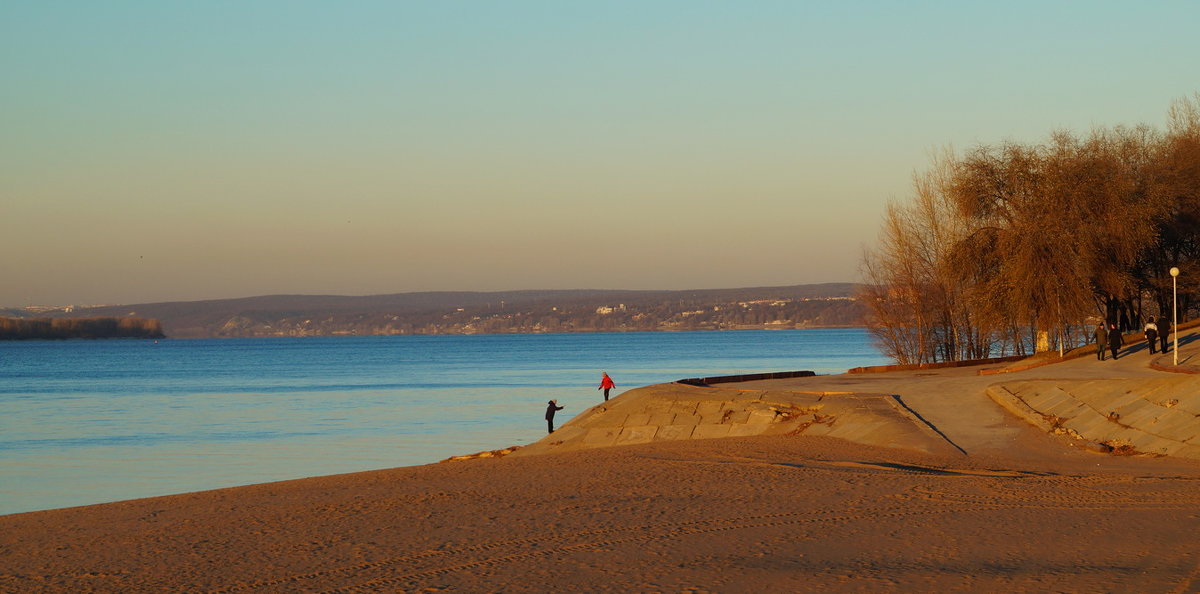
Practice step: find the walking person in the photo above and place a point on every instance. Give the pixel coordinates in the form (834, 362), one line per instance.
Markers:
(1101, 340)
(1114, 340)
(1151, 332)
(1164, 328)
(606, 384)
(551, 408)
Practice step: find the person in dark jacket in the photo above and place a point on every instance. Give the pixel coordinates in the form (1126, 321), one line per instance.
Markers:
(1114, 340)
(550, 410)
(1101, 340)
(1164, 328)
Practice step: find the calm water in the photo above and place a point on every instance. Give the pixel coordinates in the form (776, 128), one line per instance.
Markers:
(94, 421)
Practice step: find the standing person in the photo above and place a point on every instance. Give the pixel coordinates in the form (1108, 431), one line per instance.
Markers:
(550, 410)
(1151, 331)
(1164, 328)
(606, 384)
(1101, 340)
(1114, 340)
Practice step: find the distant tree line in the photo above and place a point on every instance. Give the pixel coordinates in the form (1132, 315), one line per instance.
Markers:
(1006, 246)
(62, 328)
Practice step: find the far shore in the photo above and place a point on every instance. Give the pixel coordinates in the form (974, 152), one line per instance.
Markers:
(574, 331)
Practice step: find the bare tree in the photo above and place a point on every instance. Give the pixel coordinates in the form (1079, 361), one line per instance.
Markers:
(1009, 245)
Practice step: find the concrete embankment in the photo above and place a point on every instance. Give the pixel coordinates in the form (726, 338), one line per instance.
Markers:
(678, 411)
(1158, 416)
(1127, 406)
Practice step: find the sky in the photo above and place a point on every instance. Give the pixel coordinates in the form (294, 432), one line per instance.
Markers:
(172, 151)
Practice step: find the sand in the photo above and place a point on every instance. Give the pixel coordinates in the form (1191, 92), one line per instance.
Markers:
(1022, 511)
(734, 515)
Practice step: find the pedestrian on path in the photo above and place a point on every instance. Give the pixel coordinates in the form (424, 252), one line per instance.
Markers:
(1114, 340)
(606, 384)
(550, 410)
(1151, 332)
(1164, 328)
(1101, 340)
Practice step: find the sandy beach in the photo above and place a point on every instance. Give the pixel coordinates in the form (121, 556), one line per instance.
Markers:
(1020, 510)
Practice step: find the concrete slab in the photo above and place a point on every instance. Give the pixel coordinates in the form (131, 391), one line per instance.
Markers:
(569, 433)
(1105, 433)
(1090, 423)
(608, 419)
(1143, 416)
(1189, 451)
(636, 419)
(1162, 389)
(1020, 388)
(795, 399)
(1189, 402)
(1169, 448)
(601, 437)
(661, 419)
(656, 407)
(1066, 408)
(1001, 395)
(744, 430)
(745, 395)
(761, 417)
(674, 432)
(1136, 409)
(1046, 397)
(588, 420)
(1145, 442)
(636, 434)
(739, 417)
(1123, 436)
(709, 431)
(1175, 425)
(1104, 400)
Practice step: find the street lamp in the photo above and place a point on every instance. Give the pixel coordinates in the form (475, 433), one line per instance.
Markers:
(1175, 313)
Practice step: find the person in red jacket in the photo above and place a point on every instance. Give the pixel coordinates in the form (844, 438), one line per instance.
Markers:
(606, 384)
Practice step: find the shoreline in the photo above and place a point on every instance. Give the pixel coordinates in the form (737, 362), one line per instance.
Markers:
(1010, 506)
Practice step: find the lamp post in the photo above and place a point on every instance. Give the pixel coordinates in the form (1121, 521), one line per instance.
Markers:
(1175, 314)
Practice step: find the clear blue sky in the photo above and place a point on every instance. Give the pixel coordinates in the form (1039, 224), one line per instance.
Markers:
(190, 150)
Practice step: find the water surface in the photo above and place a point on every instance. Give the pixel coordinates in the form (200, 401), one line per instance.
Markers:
(86, 422)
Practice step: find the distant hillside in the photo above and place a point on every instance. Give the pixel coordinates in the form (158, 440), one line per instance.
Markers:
(497, 313)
